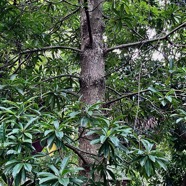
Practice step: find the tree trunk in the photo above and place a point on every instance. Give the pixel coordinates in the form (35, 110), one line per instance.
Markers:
(92, 79)
(92, 61)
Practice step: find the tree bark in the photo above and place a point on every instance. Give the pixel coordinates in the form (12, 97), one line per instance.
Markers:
(92, 79)
(92, 61)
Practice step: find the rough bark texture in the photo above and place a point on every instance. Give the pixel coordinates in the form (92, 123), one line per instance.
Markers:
(92, 68)
(92, 61)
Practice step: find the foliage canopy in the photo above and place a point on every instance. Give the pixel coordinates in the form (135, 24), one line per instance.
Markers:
(139, 128)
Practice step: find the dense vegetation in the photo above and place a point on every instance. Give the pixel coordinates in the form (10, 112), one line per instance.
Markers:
(138, 126)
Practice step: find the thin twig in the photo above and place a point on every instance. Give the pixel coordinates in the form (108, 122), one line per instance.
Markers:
(174, 44)
(9, 64)
(63, 19)
(113, 90)
(80, 135)
(154, 46)
(125, 96)
(70, 3)
(60, 76)
(19, 66)
(135, 93)
(50, 48)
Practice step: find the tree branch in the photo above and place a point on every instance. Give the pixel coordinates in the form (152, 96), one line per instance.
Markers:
(50, 48)
(77, 152)
(174, 44)
(126, 95)
(145, 41)
(135, 93)
(60, 76)
(9, 64)
(63, 19)
(70, 3)
(88, 22)
(113, 90)
(19, 66)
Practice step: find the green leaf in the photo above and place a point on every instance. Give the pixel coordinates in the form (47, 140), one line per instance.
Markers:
(95, 141)
(50, 140)
(102, 138)
(90, 133)
(152, 89)
(28, 135)
(18, 179)
(54, 169)
(11, 152)
(143, 161)
(84, 122)
(27, 141)
(171, 64)
(48, 132)
(17, 169)
(153, 158)
(163, 102)
(162, 165)
(114, 140)
(77, 181)
(28, 167)
(122, 147)
(148, 146)
(20, 91)
(2, 132)
(64, 181)
(59, 134)
(23, 175)
(178, 120)
(148, 168)
(45, 174)
(169, 98)
(50, 177)
(31, 120)
(73, 114)
(56, 124)
(11, 162)
(64, 164)
(13, 77)
(2, 86)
